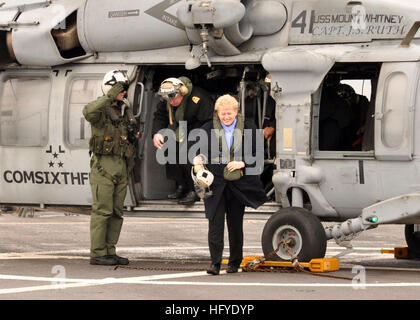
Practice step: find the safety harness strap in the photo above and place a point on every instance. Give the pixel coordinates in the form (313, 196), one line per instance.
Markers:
(103, 172)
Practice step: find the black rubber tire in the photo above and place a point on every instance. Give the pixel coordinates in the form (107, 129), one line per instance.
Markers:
(413, 240)
(314, 241)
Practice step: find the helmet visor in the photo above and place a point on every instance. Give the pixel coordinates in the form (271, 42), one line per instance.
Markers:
(168, 96)
(168, 91)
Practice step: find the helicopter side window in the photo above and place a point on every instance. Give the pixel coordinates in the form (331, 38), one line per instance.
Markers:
(346, 109)
(23, 123)
(343, 117)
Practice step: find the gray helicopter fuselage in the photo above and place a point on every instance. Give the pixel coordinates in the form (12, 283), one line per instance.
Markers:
(55, 53)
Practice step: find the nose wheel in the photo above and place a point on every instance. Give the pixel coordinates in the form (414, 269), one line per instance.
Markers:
(295, 232)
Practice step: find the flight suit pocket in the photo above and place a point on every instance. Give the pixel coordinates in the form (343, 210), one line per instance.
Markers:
(108, 146)
(96, 144)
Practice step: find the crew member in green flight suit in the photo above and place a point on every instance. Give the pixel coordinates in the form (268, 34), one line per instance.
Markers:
(111, 146)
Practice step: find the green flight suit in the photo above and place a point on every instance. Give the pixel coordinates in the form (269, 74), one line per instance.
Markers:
(112, 159)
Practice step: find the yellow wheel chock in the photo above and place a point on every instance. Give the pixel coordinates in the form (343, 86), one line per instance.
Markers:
(315, 265)
(399, 252)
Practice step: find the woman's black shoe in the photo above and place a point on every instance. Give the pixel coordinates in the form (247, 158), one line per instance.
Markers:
(232, 269)
(214, 269)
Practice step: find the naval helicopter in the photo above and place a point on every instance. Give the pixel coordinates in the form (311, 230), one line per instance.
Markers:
(345, 79)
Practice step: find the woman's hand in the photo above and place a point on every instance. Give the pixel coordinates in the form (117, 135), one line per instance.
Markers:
(158, 140)
(198, 160)
(198, 163)
(234, 165)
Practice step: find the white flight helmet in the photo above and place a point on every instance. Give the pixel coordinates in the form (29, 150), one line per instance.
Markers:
(112, 77)
(170, 87)
(204, 177)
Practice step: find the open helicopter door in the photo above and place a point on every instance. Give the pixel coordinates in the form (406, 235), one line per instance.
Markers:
(150, 181)
(394, 111)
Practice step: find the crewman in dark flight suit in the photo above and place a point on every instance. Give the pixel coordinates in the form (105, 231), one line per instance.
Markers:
(183, 102)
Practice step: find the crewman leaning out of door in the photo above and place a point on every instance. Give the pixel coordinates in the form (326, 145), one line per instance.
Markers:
(112, 148)
(182, 102)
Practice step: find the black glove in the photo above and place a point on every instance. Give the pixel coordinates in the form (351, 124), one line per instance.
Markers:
(133, 134)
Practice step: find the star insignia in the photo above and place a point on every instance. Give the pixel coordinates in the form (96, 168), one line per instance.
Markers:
(51, 164)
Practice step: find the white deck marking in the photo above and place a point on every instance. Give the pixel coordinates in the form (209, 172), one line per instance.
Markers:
(165, 279)
(156, 280)
(131, 250)
(61, 253)
(74, 283)
(43, 288)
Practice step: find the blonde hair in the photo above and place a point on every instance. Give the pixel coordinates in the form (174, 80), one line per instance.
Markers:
(226, 101)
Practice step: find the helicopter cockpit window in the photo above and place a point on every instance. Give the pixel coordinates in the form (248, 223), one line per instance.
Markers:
(346, 109)
(82, 91)
(23, 123)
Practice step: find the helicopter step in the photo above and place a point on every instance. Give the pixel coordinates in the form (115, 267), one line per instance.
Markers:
(166, 205)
